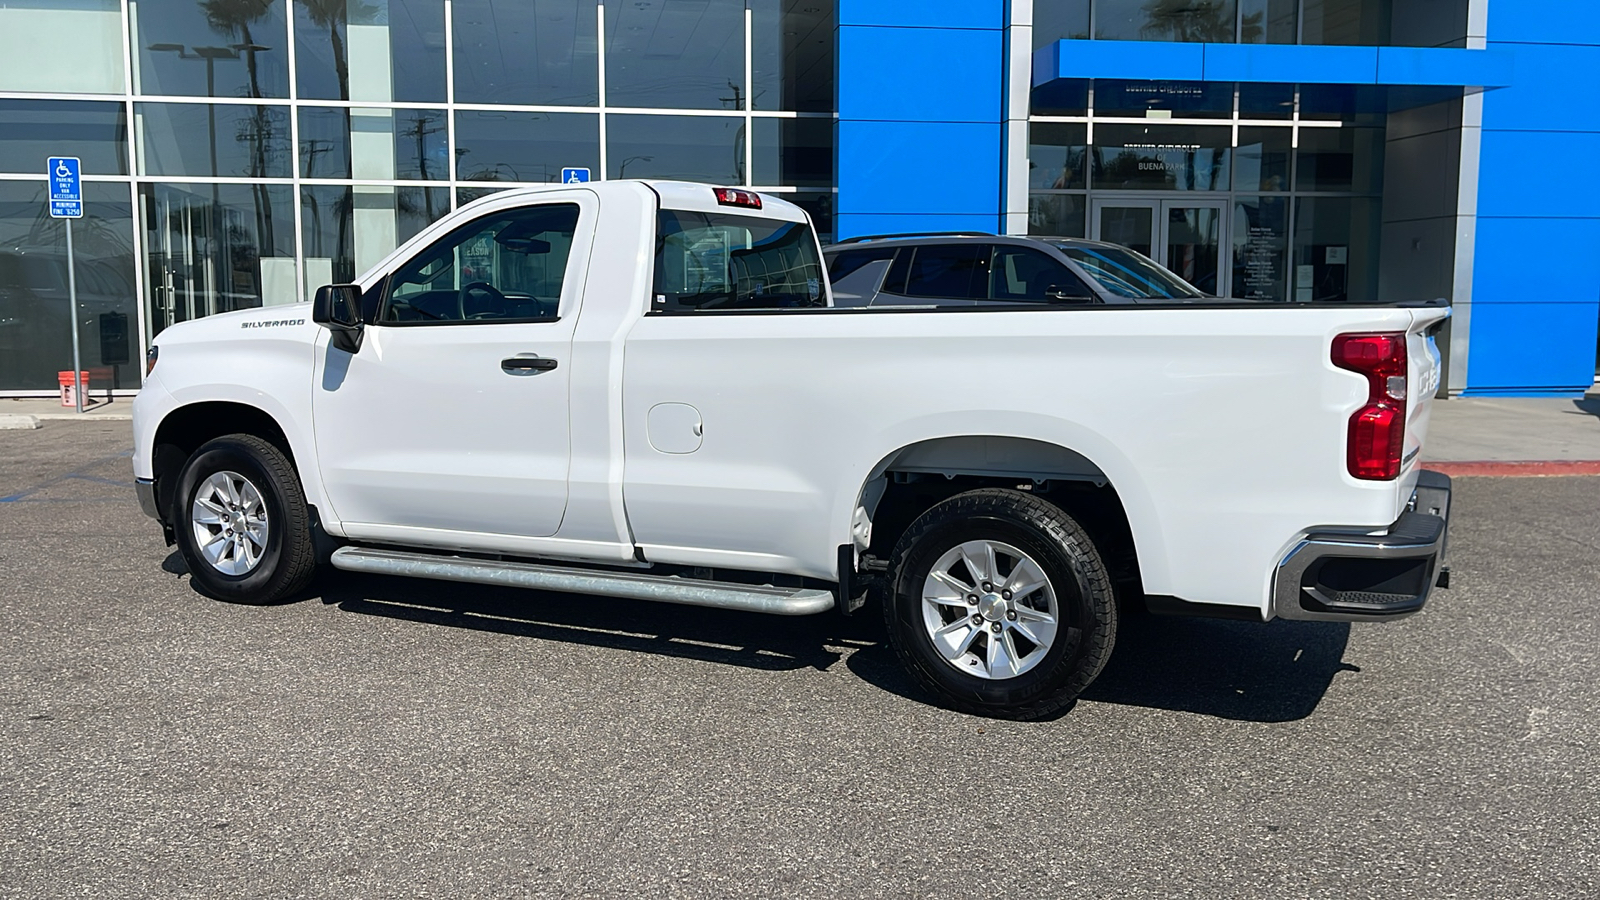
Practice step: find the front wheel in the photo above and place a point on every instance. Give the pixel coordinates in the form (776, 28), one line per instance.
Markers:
(1002, 605)
(242, 522)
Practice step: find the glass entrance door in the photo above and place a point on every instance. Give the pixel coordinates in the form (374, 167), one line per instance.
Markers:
(1185, 235)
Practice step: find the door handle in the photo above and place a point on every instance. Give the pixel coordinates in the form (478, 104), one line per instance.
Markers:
(526, 365)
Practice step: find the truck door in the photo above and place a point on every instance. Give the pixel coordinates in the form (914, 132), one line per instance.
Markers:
(452, 417)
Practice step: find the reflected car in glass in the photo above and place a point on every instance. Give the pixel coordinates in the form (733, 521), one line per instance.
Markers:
(982, 270)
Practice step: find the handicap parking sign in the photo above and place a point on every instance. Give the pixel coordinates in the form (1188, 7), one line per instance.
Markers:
(66, 188)
(574, 176)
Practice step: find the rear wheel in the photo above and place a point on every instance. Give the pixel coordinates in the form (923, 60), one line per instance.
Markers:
(1002, 605)
(241, 521)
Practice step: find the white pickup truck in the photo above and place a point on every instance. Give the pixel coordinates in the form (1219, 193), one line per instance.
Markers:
(643, 390)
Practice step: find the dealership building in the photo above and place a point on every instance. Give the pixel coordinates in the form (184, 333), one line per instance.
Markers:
(239, 153)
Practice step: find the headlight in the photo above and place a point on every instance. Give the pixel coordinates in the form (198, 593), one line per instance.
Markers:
(150, 358)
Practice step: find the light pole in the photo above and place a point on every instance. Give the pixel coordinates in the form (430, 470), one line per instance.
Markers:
(622, 170)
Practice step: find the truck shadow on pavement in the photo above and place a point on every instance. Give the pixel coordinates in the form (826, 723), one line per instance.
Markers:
(1273, 672)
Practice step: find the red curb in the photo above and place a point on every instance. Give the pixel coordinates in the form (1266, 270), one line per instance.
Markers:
(1524, 468)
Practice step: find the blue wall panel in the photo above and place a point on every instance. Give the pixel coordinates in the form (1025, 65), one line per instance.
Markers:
(921, 99)
(1532, 348)
(1536, 275)
(1545, 21)
(920, 74)
(1529, 101)
(923, 13)
(923, 167)
(1291, 63)
(1538, 174)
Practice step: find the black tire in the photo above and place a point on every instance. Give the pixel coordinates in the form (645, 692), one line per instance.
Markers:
(1085, 598)
(288, 560)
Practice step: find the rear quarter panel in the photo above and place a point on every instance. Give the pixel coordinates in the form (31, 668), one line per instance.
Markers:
(1223, 430)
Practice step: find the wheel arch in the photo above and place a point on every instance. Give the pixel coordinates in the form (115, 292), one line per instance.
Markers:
(1109, 501)
(184, 429)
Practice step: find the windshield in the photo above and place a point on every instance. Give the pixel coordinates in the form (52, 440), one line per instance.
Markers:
(719, 261)
(1125, 273)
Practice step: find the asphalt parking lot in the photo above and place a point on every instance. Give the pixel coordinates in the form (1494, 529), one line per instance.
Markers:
(385, 738)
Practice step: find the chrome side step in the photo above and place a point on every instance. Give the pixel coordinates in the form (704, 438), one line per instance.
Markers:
(633, 586)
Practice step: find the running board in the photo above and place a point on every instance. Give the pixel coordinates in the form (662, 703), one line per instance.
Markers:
(632, 586)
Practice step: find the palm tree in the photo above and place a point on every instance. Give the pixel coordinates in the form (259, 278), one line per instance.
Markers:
(233, 19)
(332, 14)
(1188, 20)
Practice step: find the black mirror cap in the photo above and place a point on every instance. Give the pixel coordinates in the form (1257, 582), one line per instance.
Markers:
(337, 306)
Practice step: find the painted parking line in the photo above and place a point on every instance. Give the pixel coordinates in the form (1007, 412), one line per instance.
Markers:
(78, 474)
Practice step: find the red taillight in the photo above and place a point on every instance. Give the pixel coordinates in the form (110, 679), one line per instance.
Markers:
(1378, 429)
(736, 197)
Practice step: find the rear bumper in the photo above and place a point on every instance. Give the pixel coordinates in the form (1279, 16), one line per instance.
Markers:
(1332, 577)
(145, 488)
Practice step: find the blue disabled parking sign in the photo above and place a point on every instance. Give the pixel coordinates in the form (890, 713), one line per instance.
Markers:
(66, 188)
(574, 176)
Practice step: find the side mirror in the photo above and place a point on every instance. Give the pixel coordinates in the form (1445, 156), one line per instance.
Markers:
(337, 307)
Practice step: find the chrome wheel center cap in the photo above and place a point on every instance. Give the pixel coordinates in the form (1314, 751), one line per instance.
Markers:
(992, 607)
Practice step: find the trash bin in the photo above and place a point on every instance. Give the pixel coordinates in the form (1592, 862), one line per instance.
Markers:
(69, 395)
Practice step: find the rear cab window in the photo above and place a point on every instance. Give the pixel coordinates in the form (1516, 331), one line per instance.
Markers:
(708, 261)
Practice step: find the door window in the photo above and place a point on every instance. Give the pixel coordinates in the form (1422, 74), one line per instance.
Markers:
(1023, 274)
(949, 272)
(505, 267)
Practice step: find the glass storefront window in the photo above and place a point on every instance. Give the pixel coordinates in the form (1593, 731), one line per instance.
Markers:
(1363, 22)
(1340, 159)
(421, 144)
(1161, 157)
(686, 148)
(31, 57)
(213, 248)
(675, 55)
(32, 130)
(536, 52)
(525, 147)
(1057, 155)
(791, 55)
(1269, 21)
(1260, 247)
(819, 205)
(35, 330)
(1059, 20)
(1261, 161)
(1057, 215)
(212, 48)
(1165, 20)
(1266, 101)
(347, 230)
(1062, 97)
(324, 142)
(1336, 243)
(1166, 99)
(368, 143)
(795, 152)
(213, 140)
(373, 51)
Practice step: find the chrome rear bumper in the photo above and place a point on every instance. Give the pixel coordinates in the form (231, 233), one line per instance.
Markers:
(1332, 577)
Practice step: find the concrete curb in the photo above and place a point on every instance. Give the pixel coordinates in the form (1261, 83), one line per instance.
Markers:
(11, 422)
(1519, 468)
(86, 417)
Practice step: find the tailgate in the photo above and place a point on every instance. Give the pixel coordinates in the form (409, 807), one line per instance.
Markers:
(1423, 382)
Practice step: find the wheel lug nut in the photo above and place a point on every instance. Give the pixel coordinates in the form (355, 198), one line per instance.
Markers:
(977, 620)
(1005, 595)
(987, 587)
(995, 628)
(972, 599)
(1012, 615)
